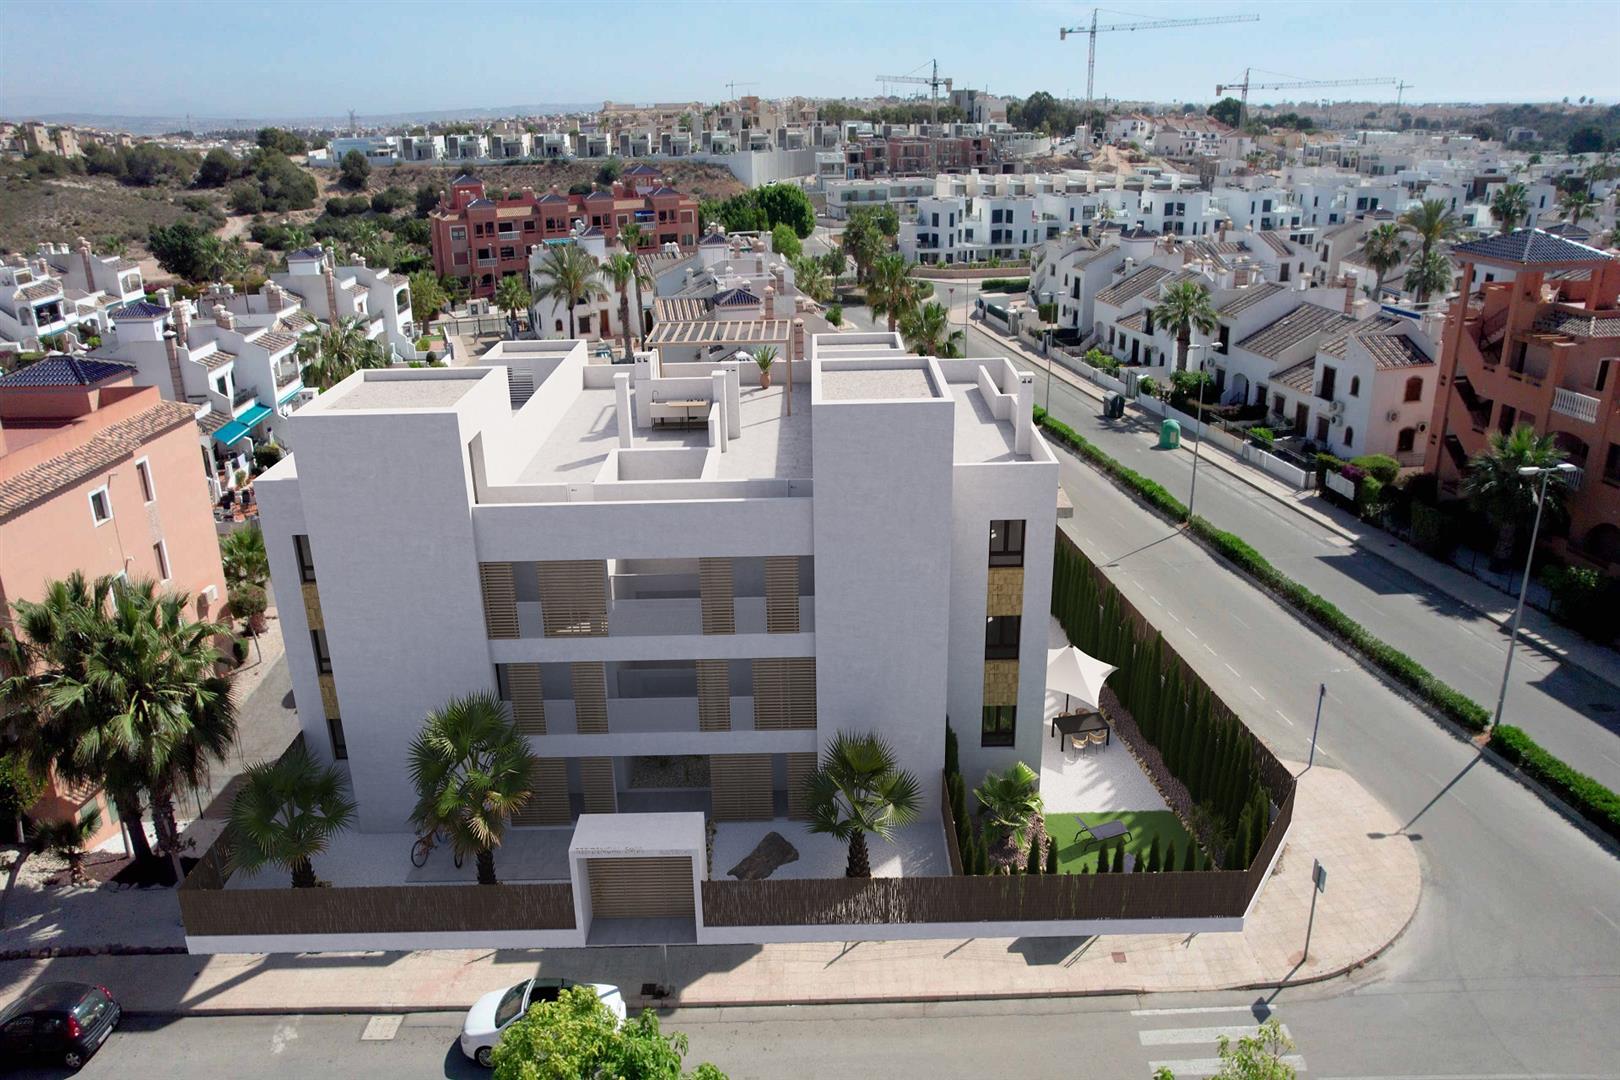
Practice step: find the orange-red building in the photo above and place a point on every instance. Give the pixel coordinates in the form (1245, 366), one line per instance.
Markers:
(1534, 339)
(482, 238)
(99, 475)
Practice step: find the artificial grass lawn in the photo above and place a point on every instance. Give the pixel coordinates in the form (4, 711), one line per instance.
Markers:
(1144, 826)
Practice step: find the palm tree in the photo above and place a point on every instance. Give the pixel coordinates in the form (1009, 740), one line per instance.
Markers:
(1185, 307)
(286, 813)
(1432, 222)
(1383, 249)
(1576, 205)
(633, 236)
(567, 276)
(338, 351)
(243, 555)
(66, 838)
(471, 771)
(928, 329)
(859, 789)
(512, 296)
(1428, 274)
(1010, 802)
(1493, 483)
(620, 268)
(810, 280)
(1510, 205)
(892, 291)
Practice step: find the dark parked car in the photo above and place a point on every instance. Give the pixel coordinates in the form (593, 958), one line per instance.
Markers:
(60, 1021)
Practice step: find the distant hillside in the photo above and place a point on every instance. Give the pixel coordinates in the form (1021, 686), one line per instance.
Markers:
(1554, 123)
(699, 179)
(158, 125)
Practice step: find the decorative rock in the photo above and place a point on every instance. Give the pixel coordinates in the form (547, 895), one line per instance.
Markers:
(761, 863)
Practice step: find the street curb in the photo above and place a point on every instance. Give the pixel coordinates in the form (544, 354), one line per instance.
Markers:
(1451, 727)
(54, 952)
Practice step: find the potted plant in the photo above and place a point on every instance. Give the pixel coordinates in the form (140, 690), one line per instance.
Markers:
(765, 356)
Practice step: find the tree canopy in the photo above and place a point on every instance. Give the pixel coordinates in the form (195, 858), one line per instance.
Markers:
(280, 140)
(577, 1036)
(354, 170)
(1227, 111)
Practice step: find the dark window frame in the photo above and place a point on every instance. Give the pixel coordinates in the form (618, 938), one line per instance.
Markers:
(323, 651)
(1001, 635)
(998, 725)
(340, 742)
(1007, 543)
(306, 558)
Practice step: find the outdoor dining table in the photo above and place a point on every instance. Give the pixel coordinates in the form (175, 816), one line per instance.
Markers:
(1081, 724)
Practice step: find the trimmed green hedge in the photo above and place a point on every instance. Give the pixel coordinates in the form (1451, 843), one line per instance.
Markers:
(1004, 285)
(1593, 801)
(1590, 799)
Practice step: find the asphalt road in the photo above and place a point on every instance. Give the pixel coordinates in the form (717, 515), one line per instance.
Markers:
(1569, 711)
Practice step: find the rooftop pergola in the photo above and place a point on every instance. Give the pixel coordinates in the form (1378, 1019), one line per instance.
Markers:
(723, 332)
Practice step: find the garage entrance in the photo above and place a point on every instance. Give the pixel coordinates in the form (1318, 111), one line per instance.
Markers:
(636, 877)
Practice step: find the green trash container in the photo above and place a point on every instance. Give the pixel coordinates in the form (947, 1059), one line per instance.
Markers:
(1169, 435)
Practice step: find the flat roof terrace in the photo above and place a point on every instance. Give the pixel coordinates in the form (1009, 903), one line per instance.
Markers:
(980, 437)
(770, 445)
(384, 389)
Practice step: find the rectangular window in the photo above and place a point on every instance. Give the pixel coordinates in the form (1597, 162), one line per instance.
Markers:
(1007, 543)
(340, 746)
(100, 505)
(143, 469)
(160, 552)
(323, 659)
(996, 725)
(306, 561)
(458, 233)
(1001, 637)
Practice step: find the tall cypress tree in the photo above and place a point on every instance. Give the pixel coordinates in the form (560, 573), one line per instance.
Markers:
(1116, 865)
(1051, 855)
(1170, 856)
(1034, 864)
(1153, 854)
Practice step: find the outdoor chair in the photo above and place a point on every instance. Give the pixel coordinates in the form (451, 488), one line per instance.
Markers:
(1106, 831)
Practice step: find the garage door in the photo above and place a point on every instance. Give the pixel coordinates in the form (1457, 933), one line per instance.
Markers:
(641, 888)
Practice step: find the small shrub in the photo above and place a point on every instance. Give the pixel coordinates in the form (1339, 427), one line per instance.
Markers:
(267, 455)
(1004, 285)
(1147, 387)
(249, 603)
(835, 315)
(1592, 800)
(1370, 498)
(1262, 437)
(1381, 467)
(1585, 599)
(1431, 529)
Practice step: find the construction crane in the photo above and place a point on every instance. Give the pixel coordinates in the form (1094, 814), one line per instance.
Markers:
(731, 87)
(1299, 84)
(1400, 89)
(933, 82)
(1093, 30)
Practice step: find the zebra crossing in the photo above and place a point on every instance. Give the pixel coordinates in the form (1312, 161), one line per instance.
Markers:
(1187, 1041)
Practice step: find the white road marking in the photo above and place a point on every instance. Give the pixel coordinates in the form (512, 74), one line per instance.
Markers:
(1196, 1009)
(1173, 615)
(1193, 633)
(1229, 667)
(283, 1034)
(381, 1028)
(1182, 1036)
(1155, 599)
(1606, 919)
(1212, 652)
(1211, 1066)
(1257, 693)
(1284, 715)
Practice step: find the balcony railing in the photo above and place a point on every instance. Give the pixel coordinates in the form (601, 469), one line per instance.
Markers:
(287, 374)
(243, 395)
(1576, 405)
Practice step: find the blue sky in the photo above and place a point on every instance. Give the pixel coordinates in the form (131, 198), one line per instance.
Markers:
(291, 58)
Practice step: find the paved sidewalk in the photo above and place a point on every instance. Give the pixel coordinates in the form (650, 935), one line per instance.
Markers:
(1373, 891)
(1538, 629)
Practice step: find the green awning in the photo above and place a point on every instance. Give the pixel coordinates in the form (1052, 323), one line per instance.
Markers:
(237, 429)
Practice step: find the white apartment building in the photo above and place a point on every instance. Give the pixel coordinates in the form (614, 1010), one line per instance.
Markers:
(1129, 128)
(954, 229)
(379, 298)
(864, 546)
(844, 196)
(58, 293)
(112, 279)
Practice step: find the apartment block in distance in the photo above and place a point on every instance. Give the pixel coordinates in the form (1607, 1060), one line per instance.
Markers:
(481, 238)
(1534, 339)
(671, 564)
(99, 475)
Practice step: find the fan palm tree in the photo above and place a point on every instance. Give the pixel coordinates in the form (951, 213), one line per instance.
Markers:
(568, 276)
(1432, 222)
(512, 296)
(1429, 274)
(928, 330)
(633, 237)
(1010, 802)
(337, 352)
(765, 357)
(286, 813)
(809, 278)
(471, 771)
(1383, 249)
(892, 290)
(66, 838)
(1493, 483)
(243, 555)
(1510, 205)
(1183, 308)
(859, 789)
(620, 269)
(1576, 205)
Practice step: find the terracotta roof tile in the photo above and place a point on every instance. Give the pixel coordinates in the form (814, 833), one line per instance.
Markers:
(107, 447)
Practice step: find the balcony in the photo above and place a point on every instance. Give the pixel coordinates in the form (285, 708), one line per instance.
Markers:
(288, 372)
(242, 396)
(1577, 406)
(671, 616)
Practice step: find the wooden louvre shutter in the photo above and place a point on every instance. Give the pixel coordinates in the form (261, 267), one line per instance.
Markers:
(573, 597)
(590, 697)
(596, 779)
(647, 887)
(528, 698)
(500, 600)
(800, 767)
(548, 805)
(740, 787)
(718, 592)
(714, 695)
(782, 594)
(785, 693)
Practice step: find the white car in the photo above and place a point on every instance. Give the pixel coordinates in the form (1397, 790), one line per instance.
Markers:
(491, 1013)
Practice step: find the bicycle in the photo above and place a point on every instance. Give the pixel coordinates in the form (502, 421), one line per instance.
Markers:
(424, 847)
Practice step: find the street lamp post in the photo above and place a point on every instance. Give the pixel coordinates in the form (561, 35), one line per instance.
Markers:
(1545, 473)
(1192, 492)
